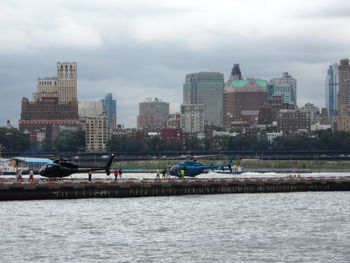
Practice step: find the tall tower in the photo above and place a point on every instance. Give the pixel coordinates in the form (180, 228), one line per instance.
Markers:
(236, 73)
(110, 106)
(332, 86)
(344, 93)
(206, 88)
(66, 81)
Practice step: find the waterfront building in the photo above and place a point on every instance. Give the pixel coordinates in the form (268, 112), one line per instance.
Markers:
(293, 121)
(332, 86)
(192, 118)
(341, 121)
(285, 86)
(48, 115)
(242, 101)
(206, 88)
(111, 110)
(63, 85)
(153, 114)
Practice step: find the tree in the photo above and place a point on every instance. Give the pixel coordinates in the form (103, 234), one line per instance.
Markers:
(13, 141)
(70, 141)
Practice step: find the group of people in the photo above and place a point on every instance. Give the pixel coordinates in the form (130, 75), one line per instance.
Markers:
(117, 172)
(165, 173)
(20, 173)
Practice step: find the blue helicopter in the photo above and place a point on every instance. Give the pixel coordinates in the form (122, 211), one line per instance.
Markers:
(194, 168)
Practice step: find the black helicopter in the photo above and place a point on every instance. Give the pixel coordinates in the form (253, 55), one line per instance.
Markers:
(64, 167)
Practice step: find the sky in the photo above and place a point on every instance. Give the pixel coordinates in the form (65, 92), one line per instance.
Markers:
(137, 49)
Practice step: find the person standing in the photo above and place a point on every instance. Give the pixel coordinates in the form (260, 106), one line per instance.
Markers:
(158, 173)
(90, 175)
(182, 172)
(31, 175)
(115, 172)
(19, 175)
(120, 173)
(164, 173)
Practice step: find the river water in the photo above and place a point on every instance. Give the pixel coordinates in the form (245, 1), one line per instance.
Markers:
(275, 227)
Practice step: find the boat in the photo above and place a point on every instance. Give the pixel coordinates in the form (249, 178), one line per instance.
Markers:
(6, 168)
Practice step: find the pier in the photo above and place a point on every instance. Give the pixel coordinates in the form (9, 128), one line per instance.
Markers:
(11, 189)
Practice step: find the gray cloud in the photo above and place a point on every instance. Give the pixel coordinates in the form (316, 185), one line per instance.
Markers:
(139, 49)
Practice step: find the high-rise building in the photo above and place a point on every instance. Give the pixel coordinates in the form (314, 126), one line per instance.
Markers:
(64, 85)
(66, 81)
(344, 92)
(341, 121)
(285, 86)
(97, 132)
(111, 110)
(153, 114)
(332, 86)
(206, 88)
(242, 101)
(192, 118)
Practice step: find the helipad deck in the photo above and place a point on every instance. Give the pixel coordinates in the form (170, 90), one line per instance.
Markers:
(10, 189)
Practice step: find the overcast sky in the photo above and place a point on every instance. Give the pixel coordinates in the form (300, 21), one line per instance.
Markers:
(137, 48)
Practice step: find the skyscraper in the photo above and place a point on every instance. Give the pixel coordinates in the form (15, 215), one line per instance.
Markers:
(64, 85)
(341, 121)
(111, 109)
(344, 92)
(192, 118)
(285, 86)
(332, 86)
(153, 114)
(206, 88)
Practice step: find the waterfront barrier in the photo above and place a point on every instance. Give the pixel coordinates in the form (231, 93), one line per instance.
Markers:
(132, 187)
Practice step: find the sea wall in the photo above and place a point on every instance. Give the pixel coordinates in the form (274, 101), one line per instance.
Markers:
(103, 188)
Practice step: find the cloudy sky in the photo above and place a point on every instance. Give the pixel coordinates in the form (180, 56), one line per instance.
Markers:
(137, 49)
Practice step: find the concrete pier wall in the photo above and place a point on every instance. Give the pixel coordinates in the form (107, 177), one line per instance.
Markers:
(68, 189)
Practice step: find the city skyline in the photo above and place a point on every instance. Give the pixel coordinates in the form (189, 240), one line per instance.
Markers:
(150, 47)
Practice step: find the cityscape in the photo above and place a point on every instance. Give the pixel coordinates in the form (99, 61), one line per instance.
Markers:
(175, 131)
(212, 107)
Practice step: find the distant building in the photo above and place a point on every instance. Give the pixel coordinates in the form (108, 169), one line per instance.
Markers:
(171, 134)
(206, 88)
(236, 73)
(97, 132)
(293, 121)
(313, 110)
(242, 101)
(110, 106)
(64, 85)
(153, 114)
(332, 86)
(90, 108)
(341, 121)
(286, 86)
(48, 115)
(174, 121)
(192, 118)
